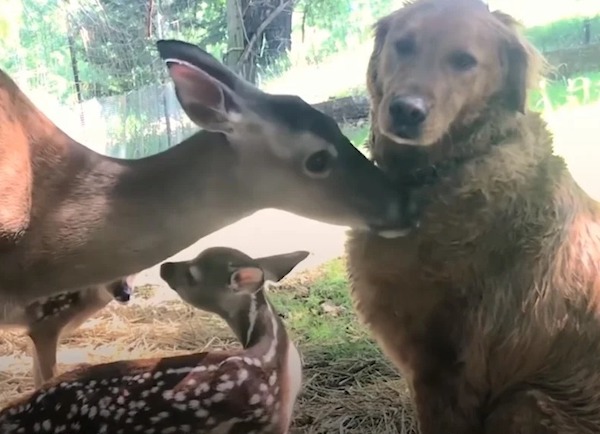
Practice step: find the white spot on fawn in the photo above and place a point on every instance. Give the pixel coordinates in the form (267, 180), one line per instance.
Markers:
(201, 413)
(273, 379)
(203, 387)
(242, 376)
(218, 397)
(270, 354)
(223, 387)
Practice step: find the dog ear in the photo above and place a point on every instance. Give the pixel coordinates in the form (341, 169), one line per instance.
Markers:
(515, 90)
(516, 58)
(380, 29)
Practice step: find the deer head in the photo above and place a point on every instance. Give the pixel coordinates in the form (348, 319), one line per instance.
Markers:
(228, 282)
(307, 165)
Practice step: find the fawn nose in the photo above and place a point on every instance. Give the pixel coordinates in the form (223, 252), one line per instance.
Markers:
(408, 113)
(167, 271)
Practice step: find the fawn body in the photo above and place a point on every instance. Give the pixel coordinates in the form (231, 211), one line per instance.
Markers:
(252, 390)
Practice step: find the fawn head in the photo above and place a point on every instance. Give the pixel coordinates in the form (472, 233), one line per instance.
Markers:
(224, 280)
(293, 156)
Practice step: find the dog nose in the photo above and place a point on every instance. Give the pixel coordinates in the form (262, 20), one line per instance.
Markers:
(409, 110)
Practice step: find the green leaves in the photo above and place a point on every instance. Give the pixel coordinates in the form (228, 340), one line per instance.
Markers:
(346, 21)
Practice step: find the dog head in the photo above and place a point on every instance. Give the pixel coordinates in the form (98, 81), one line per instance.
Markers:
(438, 64)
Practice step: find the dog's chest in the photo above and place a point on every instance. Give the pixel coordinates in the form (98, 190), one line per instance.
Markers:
(417, 297)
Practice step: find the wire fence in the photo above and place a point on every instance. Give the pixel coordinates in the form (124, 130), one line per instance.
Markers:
(147, 118)
(131, 125)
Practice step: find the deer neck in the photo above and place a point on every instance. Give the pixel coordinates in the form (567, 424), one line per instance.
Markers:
(261, 331)
(102, 218)
(266, 343)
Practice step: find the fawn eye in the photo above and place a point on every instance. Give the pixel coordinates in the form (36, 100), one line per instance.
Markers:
(319, 163)
(462, 61)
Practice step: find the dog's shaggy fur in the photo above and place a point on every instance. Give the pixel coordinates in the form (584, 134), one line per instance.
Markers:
(491, 307)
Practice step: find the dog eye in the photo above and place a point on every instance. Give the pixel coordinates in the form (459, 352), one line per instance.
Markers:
(462, 61)
(406, 47)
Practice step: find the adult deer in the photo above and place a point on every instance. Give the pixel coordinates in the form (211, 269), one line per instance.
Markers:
(84, 219)
(48, 319)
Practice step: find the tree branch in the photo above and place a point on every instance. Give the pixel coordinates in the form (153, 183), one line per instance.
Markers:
(149, 19)
(259, 31)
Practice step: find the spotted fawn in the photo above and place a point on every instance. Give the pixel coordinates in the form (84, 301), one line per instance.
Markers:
(251, 390)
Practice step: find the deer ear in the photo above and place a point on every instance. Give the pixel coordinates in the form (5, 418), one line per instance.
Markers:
(246, 279)
(278, 266)
(206, 89)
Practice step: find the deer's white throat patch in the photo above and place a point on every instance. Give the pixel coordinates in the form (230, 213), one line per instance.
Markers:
(270, 354)
(252, 313)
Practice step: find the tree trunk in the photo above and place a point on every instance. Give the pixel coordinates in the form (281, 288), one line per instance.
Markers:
(259, 34)
(276, 38)
(75, 67)
(236, 33)
(587, 24)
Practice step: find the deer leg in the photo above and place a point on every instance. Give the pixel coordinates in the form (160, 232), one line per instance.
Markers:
(521, 413)
(45, 346)
(46, 333)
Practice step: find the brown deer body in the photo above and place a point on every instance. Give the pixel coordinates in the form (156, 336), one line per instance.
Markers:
(71, 206)
(252, 390)
(48, 319)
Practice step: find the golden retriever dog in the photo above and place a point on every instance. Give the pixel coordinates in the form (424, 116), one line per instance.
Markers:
(491, 307)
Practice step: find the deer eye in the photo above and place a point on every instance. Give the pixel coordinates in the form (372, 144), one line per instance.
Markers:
(319, 163)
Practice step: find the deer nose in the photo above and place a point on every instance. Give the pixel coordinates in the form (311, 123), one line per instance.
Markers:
(409, 111)
(122, 294)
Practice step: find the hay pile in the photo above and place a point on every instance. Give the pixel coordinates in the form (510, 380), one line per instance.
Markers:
(347, 396)
(353, 396)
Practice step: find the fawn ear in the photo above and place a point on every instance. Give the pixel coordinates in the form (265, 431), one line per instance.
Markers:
(246, 278)
(210, 94)
(278, 266)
